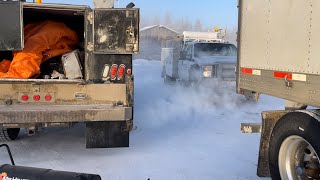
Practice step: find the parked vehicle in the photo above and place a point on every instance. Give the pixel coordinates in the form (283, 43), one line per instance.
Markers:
(278, 56)
(96, 82)
(198, 57)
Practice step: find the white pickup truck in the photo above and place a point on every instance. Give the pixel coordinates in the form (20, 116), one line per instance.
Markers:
(197, 58)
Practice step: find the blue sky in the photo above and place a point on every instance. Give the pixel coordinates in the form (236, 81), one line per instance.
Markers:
(221, 13)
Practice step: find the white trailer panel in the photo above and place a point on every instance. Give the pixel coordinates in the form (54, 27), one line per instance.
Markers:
(277, 37)
(281, 40)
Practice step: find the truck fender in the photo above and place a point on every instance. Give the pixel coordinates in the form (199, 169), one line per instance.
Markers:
(194, 72)
(269, 120)
(163, 71)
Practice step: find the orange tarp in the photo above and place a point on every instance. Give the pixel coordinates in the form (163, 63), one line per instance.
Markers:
(43, 41)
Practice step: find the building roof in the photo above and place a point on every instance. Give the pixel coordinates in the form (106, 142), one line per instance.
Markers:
(158, 26)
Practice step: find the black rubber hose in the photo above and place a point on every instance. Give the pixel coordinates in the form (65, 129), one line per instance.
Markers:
(9, 152)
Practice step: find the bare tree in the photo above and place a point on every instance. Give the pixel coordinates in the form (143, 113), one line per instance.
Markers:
(145, 21)
(188, 25)
(156, 20)
(168, 20)
(198, 25)
(231, 35)
(183, 24)
(179, 23)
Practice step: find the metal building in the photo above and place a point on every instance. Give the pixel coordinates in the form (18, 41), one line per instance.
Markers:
(152, 39)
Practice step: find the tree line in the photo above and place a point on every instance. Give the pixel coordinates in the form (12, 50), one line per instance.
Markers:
(185, 24)
(179, 24)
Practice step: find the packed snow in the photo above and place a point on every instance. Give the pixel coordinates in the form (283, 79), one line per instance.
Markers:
(180, 133)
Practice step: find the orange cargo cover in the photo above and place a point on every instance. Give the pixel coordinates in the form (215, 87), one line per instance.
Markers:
(43, 41)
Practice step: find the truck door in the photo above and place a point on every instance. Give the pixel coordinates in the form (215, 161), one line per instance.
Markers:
(116, 31)
(115, 38)
(184, 64)
(11, 31)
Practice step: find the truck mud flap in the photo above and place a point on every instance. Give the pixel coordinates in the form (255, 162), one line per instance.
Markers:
(107, 134)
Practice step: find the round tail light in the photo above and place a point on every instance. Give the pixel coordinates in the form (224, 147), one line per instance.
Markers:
(24, 98)
(129, 71)
(48, 97)
(36, 97)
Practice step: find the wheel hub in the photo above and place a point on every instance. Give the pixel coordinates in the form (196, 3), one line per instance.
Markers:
(298, 160)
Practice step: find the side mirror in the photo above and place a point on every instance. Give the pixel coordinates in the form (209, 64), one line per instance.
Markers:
(183, 55)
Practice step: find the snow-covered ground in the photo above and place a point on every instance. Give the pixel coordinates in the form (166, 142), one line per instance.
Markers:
(180, 134)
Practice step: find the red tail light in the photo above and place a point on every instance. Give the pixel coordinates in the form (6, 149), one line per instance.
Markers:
(48, 97)
(114, 70)
(129, 71)
(122, 70)
(36, 97)
(24, 98)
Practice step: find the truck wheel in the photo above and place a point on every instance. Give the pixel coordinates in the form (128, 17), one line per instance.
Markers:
(107, 134)
(9, 134)
(294, 148)
(193, 84)
(169, 80)
(193, 80)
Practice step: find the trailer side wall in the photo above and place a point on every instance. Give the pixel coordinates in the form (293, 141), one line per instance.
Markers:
(278, 49)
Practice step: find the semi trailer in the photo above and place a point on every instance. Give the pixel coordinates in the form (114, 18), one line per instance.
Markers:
(278, 55)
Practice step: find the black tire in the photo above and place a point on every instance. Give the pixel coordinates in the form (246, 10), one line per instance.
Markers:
(9, 134)
(169, 80)
(292, 124)
(194, 84)
(193, 80)
(107, 135)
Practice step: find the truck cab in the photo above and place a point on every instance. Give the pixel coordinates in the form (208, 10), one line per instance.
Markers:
(208, 60)
(201, 58)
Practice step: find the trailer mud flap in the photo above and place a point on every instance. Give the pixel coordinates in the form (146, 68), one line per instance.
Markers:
(269, 120)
